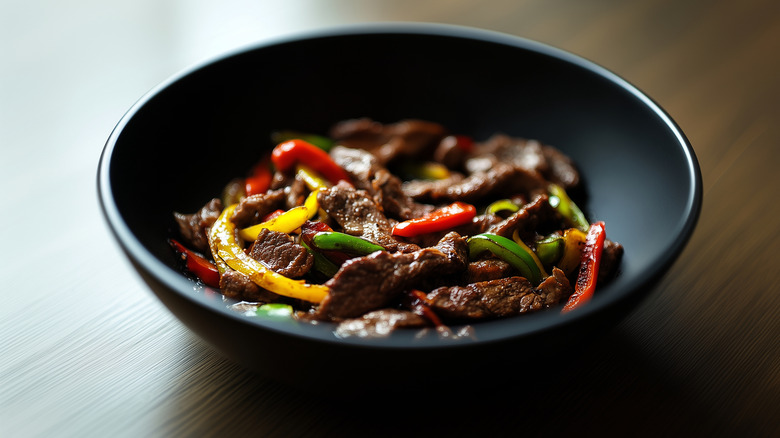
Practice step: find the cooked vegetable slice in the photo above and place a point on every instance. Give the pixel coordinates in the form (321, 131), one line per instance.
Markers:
(573, 244)
(287, 155)
(203, 269)
(286, 222)
(321, 142)
(560, 200)
(550, 249)
(335, 241)
(589, 267)
(260, 179)
(223, 236)
(275, 311)
(530, 252)
(453, 215)
(507, 250)
(502, 205)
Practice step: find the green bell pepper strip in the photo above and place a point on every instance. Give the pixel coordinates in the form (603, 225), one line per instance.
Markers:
(550, 249)
(335, 241)
(567, 208)
(502, 205)
(275, 311)
(589, 267)
(516, 238)
(322, 264)
(507, 250)
(223, 236)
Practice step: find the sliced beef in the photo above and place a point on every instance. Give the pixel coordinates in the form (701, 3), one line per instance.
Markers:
(610, 260)
(367, 174)
(379, 323)
(487, 269)
(500, 180)
(404, 139)
(252, 209)
(194, 227)
(357, 214)
(528, 218)
(449, 153)
(372, 282)
(498, 298)
(238, 286)
(279, 252)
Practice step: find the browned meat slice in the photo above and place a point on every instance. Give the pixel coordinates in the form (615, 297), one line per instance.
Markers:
(379, 323)
(487, 269)
(252, 209)
(528, 218)
(194, 227)
(407, 138)
(500, 180)
(358, 215)
(279, 252)
(368, 283)
(498, 298)
(238, 286)
(610, 260)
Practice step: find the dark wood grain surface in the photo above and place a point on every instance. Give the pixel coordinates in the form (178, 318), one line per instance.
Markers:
(86, 350)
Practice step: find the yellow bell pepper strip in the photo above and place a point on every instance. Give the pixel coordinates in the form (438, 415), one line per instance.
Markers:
(288, 154)
(200, 267)
(321, 142)
(310, 178)
(550, 249)
(428, 170)
(502, 205)
(453, 215)
(508, 251)
(573, 244)
(589, 267)
(537, 262)
(335, 241)
(260, 179)
(277, 311)
(567, 208)
(286, 222)
(223, 234)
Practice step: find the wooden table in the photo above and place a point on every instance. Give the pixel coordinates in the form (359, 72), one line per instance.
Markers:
(86, 349)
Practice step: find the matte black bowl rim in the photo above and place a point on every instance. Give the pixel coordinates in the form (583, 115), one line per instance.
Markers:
(493, 331)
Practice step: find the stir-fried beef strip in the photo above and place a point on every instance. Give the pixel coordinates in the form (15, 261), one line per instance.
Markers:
(372, 282)
(357, 214)
(610, 260)
(279, 252)
(498, 298)
(239, 287)
(193, 227)
(528, 218)
(389, 142)
(252, 209)
(380, 323)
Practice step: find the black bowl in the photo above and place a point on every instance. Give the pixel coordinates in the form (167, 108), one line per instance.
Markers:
(178, 146)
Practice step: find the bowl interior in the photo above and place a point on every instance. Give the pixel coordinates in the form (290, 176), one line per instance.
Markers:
(178, 146)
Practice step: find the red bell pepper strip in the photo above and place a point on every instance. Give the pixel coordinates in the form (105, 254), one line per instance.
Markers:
(286, 155)
(589, 267)
(260, 179)
(464, 142)
(199, 266)
(453, 215)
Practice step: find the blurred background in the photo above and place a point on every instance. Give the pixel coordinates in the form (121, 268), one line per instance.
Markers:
(101, 357)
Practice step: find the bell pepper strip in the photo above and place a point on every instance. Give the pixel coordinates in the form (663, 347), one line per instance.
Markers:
(310, 178)
(260, 179)
(273, 215)
(559, 200)
(286, 222)
(453, 215)
(506, 250)
(234, 191)
(530, 252)
(277, 311)
(322, 264)
(200, 267)
(223, 234)
(589, 267)
(335, 241)
(502, 205)
(288, 154)
(573, 245)
(550, 249)
(429, 170)
(419, 305)
(321, 142)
